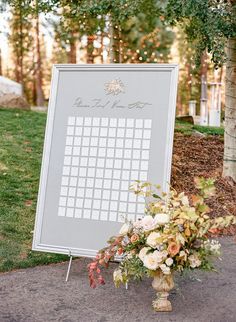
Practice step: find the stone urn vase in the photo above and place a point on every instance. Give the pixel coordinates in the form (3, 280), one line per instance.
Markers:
(162, 283)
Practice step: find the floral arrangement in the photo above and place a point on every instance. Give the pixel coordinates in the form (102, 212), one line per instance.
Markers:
(173, 235)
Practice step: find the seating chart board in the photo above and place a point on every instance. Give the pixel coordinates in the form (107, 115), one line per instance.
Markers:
(107, 126)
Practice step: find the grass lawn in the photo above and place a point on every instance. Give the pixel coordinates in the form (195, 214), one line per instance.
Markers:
(188, 129)
(22, 134)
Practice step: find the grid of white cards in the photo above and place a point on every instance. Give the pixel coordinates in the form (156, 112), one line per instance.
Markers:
(103, 156)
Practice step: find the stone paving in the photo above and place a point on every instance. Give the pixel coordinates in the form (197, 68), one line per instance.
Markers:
(41, 294)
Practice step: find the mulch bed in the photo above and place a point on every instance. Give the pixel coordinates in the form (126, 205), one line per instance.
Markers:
(203, 156)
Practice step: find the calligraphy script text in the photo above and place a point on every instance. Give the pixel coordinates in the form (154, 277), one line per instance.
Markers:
(99, 103)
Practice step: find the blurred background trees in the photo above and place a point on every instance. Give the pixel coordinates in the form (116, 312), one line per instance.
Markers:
(41, 33)
(193, 33)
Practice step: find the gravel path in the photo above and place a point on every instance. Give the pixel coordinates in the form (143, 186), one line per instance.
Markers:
(41, 294)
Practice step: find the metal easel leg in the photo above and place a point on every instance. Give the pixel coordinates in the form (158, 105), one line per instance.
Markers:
(68, 269)
(126, 284)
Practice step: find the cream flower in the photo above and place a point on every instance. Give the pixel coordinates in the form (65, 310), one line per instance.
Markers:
(124, 229)
(143, 252)
(212, 246)
(169, 261)
(165, 269)
(159, 256)
(185, 200)
(148, 223)
(117, 276)
(194, 261)
(152, 239)
(183, 255)
(164, 253)
(151, 261)
(161, 219)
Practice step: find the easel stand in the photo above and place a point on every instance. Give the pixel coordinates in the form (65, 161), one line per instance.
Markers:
(69, 267)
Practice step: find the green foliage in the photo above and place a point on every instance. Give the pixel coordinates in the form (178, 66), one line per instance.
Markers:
(134, 268)
(146, 39)
(207, 24)
(120, 10)
(206, 186)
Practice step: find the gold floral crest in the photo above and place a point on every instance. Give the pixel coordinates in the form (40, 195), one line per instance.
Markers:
(114, 87)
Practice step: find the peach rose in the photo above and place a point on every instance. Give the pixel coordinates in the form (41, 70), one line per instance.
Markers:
(173, 248)
(213, 230)
(120, 251)
(134, 238)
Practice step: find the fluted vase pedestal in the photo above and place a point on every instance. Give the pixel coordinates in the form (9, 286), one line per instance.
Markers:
(163, 284)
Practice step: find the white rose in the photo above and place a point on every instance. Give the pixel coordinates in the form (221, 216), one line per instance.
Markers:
(143, 252)
(151, 261)
(124, 229)
(148, 223)
(162, 219)
(194, 261)
(152, 239)
(165, 269)
(169, 261)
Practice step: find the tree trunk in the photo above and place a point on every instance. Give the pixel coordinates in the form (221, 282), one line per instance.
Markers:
(229, 168)
(72, 52)
(21, 64)
(38, 74)
(115, 51)
(116, 45)
(90, 48)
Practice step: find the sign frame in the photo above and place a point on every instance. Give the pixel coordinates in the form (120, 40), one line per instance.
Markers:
(57, 69)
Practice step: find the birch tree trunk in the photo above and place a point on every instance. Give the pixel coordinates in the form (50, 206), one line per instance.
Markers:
(229, 168)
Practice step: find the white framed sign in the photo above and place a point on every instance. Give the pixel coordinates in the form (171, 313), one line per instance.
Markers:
(107, 126)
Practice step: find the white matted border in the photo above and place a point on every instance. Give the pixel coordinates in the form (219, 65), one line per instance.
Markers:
(173, 68)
